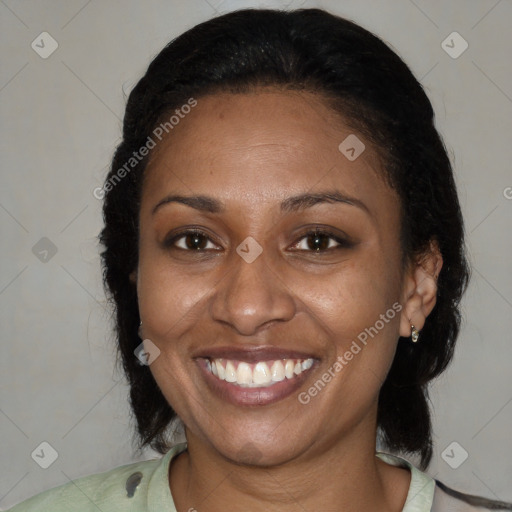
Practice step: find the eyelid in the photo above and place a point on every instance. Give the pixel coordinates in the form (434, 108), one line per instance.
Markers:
(343, 240)
(171, 239)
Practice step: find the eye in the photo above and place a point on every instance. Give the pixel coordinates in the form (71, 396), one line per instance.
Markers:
(320, 241)
(191, 240)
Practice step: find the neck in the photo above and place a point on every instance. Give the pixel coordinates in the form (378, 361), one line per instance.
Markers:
(343, 477)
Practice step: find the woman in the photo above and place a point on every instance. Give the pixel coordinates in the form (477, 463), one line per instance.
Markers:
(284, 247)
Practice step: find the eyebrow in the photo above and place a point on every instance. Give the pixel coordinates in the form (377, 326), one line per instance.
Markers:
(290, 204)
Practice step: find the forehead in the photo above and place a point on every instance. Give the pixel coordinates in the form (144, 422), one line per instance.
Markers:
(263, 145)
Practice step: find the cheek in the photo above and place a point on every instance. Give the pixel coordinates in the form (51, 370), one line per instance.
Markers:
(170, 301)
(352, 299)
(359, 309)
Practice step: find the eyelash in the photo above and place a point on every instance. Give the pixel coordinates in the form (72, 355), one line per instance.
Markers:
(343, 243)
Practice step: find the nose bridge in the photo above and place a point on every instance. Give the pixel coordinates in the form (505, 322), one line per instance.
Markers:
(251, 295)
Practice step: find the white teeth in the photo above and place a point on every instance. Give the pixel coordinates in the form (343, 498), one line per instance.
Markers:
(220, 370)
(230, 372)
(257, 375)
(288, 368)
(307, 364)
(244, 374)
(277, 371)
(261, 374)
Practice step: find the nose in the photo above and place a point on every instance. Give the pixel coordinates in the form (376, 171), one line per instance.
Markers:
(251, 297)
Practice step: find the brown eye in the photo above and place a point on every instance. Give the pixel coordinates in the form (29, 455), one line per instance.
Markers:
(319, 241)
(195, 241)
(191, 241)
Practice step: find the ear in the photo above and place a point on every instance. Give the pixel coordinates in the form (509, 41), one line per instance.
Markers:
(419, 292)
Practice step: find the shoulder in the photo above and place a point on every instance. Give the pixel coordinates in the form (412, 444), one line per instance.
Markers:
(124, 488)
(426, 493)
(104, 490)
(450, 500)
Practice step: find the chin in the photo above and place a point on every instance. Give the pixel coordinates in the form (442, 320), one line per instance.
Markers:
(259, 450)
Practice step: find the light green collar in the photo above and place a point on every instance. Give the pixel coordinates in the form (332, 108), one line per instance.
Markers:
(159, 492)
(421, 488)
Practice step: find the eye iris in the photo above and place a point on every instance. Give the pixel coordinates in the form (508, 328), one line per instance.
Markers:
(318, 242)
(195, 241)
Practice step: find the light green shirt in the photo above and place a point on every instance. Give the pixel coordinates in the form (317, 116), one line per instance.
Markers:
(144, 487)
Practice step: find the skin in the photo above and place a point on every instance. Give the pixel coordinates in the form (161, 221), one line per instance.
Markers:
(251, 152)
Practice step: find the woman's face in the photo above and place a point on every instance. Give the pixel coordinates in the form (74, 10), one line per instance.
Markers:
(270, 256)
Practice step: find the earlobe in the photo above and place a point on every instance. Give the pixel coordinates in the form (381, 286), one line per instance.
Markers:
(133, 277)
(420, 290)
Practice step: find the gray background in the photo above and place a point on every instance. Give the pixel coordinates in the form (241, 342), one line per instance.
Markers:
(61, 119)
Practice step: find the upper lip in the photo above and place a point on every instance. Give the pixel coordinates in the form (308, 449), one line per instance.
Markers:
(252, 354)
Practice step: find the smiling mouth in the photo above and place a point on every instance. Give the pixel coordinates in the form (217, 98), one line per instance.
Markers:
(259, 374)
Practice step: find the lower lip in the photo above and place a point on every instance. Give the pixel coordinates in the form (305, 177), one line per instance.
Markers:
(238, 395)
